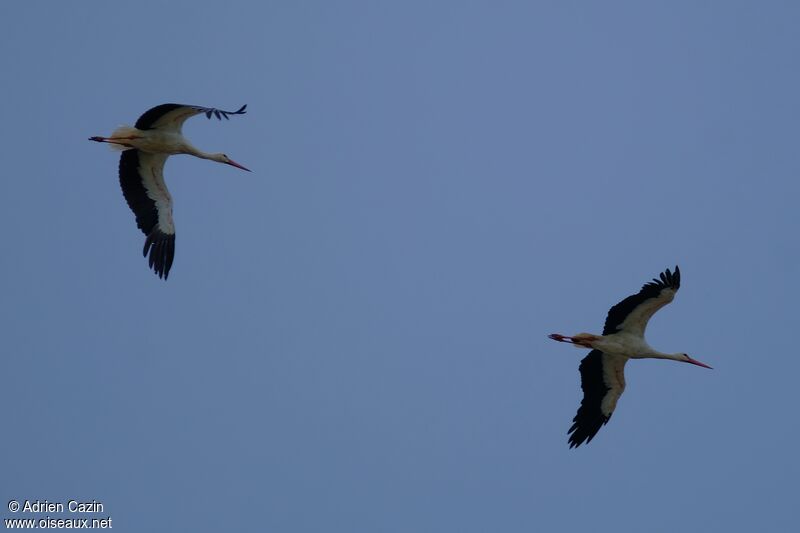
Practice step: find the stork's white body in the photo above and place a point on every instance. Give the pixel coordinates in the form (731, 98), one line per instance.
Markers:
(146, 147)
(602, 371)
(626, 345)
(168, 142)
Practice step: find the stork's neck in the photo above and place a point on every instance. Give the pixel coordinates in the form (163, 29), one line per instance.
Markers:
(191, 150)
(655, 354)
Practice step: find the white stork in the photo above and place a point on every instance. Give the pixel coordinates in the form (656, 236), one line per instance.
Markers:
(602, 371)
(155, 137)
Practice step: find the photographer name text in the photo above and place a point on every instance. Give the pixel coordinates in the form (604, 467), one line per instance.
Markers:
(44, 506)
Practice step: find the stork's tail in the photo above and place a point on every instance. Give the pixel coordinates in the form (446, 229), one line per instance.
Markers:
(584, 340)
(118, 139)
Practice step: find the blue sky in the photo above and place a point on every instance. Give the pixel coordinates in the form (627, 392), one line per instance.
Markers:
(353, 336)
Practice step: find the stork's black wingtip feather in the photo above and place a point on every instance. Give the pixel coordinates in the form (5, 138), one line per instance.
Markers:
(575, 442)
(220, 114)
(161, 249)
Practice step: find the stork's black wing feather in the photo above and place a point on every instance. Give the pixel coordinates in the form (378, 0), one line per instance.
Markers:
(589, 418)
(155, 117)
(160, 241)
(603, 382)
(652, 289)
(146, 121)
(161, 247)
(135, 193)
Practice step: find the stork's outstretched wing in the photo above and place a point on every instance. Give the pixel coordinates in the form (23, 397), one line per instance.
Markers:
(170, 117)
(142, 180)
(602, 381)
(633, 313)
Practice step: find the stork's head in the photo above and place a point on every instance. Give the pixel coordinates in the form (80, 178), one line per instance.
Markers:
(222, 158)
(686, 359)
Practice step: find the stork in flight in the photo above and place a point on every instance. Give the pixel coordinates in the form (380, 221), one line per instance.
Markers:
(602, 371)
(146, 146)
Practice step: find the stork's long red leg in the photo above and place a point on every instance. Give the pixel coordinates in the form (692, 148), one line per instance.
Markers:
(115, 140)
(561, 338)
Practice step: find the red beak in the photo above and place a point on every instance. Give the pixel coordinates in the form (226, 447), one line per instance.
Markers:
(233, 163)
(696, 362)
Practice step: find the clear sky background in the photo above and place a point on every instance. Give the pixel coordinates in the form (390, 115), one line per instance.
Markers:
(353, 336)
